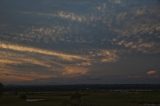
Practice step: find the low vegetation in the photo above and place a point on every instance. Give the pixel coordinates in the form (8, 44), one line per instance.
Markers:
(82, 98)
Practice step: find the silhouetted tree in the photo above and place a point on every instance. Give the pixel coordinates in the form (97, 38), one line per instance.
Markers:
(1, 88)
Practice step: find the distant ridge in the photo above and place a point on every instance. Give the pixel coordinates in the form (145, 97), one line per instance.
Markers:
(84, 87)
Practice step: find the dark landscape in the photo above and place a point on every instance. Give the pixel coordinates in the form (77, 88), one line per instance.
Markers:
(81, 95)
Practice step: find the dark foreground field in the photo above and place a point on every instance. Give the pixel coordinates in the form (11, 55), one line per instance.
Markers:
(88, 98)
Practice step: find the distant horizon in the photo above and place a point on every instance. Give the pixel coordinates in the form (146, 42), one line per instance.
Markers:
(81, 84)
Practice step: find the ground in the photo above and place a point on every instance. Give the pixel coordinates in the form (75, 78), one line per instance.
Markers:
(88, 98)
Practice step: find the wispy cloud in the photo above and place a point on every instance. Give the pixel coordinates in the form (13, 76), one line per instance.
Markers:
(20, 48)
(15, 78)
(60, 14)
(140, 46)
(18, 57)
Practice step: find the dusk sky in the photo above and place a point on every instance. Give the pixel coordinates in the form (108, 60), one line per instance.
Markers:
(79, 41)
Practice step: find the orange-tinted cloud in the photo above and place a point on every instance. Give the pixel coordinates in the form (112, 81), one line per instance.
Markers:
(25, 63)
(152, 73)
(71, 71)
(98, 55)
(20, 48)
(10, 77)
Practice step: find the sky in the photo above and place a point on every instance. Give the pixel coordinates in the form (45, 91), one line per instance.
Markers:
(80, 41)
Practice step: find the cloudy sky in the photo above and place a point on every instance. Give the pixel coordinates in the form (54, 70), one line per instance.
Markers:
(79, 41)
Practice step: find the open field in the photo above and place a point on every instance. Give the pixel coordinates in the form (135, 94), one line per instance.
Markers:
(88, 98)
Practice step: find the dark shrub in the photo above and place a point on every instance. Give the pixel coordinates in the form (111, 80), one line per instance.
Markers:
(1, 88)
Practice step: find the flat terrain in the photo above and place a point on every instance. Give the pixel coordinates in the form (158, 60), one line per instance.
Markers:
(88, 98)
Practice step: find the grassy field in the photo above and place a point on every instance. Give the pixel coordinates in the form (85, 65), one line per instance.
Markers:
(88, 98)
